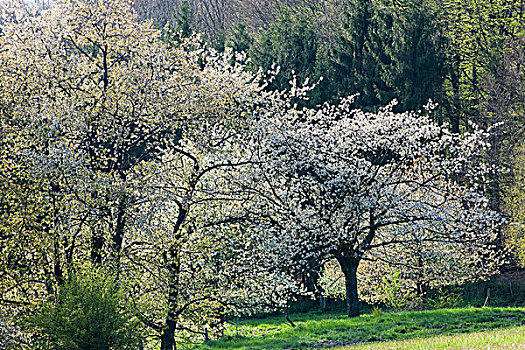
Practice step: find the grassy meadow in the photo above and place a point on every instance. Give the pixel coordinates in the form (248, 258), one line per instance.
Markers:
(508, 338)
(436, 329)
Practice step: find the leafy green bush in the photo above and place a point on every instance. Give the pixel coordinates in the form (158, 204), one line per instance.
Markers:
(88, 314)
(502, 293)
(376, 311)
(394, 296)
(444, 297)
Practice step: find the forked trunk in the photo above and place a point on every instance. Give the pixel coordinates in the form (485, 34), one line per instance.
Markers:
(349, 268)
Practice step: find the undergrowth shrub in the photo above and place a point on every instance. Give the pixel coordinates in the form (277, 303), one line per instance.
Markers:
(376, 311)
(444, 297)
(394, 296)
(89, 313)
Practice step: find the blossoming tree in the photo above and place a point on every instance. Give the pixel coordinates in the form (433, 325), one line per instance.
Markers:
(194, 217)
(343, 184)
(94, 90)
(132, 151)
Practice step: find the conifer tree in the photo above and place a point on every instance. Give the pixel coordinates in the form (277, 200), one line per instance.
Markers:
(356, 56)
(183, 19)
(416, 68)
(239, 38)
(291, 44)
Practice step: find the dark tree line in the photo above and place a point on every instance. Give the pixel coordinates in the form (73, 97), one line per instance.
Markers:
(411, 50)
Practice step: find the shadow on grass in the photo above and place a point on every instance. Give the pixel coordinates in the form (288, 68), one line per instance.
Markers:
(316, 330)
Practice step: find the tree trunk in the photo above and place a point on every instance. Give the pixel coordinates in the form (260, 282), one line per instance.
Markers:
(168, 334)
(349, 268)
(454, 113)
(173, 257)
(118, 234)
(167, 340)
(97, 244)
(310, 278)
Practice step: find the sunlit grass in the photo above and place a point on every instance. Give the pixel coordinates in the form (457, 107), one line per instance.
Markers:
(316, 330)
(511, 338)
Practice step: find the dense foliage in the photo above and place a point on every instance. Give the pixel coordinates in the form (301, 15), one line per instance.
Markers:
(216, 183)
(125, 151)
(88, 314)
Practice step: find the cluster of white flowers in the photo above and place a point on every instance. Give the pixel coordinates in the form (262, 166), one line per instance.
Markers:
(384, 186)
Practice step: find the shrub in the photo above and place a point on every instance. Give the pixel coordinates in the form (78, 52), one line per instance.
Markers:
(88, 314)
(395, 296)
(444, 297)
(376, 311)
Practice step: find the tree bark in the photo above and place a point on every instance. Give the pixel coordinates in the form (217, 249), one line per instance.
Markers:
(455, 105)
(118, 234)
(97, 244)
(168, 334)
(349, 268)
(167, 341)
(173, 257)
(310, 278)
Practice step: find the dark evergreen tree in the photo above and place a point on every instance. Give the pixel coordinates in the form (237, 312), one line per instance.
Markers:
(239, 38)
(357, 57)
(183, 19)
(387, 51)
(290, 43)
(417, 59)
(181, 25)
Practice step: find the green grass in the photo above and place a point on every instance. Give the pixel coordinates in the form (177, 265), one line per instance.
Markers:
(510, 338)
(334, 329)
